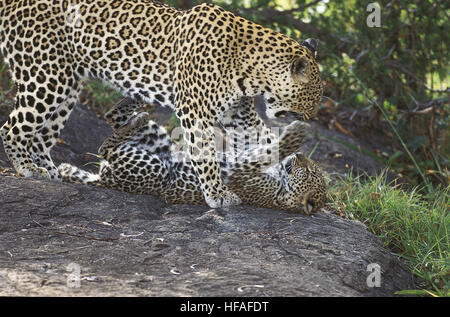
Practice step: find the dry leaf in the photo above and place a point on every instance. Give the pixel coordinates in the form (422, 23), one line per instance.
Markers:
(375, 195)
(341, 128)
(61, 141)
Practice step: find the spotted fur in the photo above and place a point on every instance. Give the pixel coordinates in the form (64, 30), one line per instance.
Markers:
(200, 62)
(139, 157)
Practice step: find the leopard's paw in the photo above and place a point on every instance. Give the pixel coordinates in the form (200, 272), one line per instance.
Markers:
(223, 200)
(31, 170)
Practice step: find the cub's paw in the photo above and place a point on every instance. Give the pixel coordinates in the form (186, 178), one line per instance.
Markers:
(223, 200)
(292, 138)
(65, 170)
(120, 112)
(73, 174)
(296, 129)
(138, 120)
(135, 122)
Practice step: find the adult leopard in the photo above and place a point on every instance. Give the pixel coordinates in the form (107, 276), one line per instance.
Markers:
(199, 62)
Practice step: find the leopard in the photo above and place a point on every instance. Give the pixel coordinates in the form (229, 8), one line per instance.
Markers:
(140, 158)
(199, 62)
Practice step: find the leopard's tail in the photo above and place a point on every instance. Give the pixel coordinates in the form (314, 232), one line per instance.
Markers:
(73, 174)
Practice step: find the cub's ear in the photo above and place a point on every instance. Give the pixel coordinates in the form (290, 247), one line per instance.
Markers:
(310, 44)
(300, 69)
(302, 161)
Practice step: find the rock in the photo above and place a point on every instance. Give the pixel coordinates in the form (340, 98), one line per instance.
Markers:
(136, 245)
(83, 134)
(126, 244)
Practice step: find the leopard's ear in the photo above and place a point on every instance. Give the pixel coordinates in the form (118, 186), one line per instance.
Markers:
(302, 160)
(300, 69)
(310, 44)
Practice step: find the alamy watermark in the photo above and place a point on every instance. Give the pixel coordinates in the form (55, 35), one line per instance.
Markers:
(374, 278)
(74, 278)
(235, 145)
(374, 18)
(73, 17)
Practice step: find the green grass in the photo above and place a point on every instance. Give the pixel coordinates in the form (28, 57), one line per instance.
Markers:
(5, 81)
(99, 95)
(98, 157)
(414, 226)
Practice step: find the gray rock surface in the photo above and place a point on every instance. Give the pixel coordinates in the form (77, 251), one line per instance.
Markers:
(6, 105)
(136, 245)
(132, 245)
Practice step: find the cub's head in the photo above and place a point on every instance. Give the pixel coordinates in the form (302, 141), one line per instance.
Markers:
(294, 86)
(304, 189)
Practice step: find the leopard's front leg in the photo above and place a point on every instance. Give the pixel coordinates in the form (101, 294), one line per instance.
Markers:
(199, 139)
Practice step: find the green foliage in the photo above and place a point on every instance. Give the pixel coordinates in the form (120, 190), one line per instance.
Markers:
(5, 80)
(99, 95)
(403, 64)
(96, 163)
(172, 123)
(415, 226)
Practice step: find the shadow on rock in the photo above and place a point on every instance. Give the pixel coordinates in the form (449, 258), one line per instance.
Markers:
(124, 244)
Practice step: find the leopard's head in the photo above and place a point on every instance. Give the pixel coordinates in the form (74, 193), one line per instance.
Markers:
(295, 86)
(304, 189)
